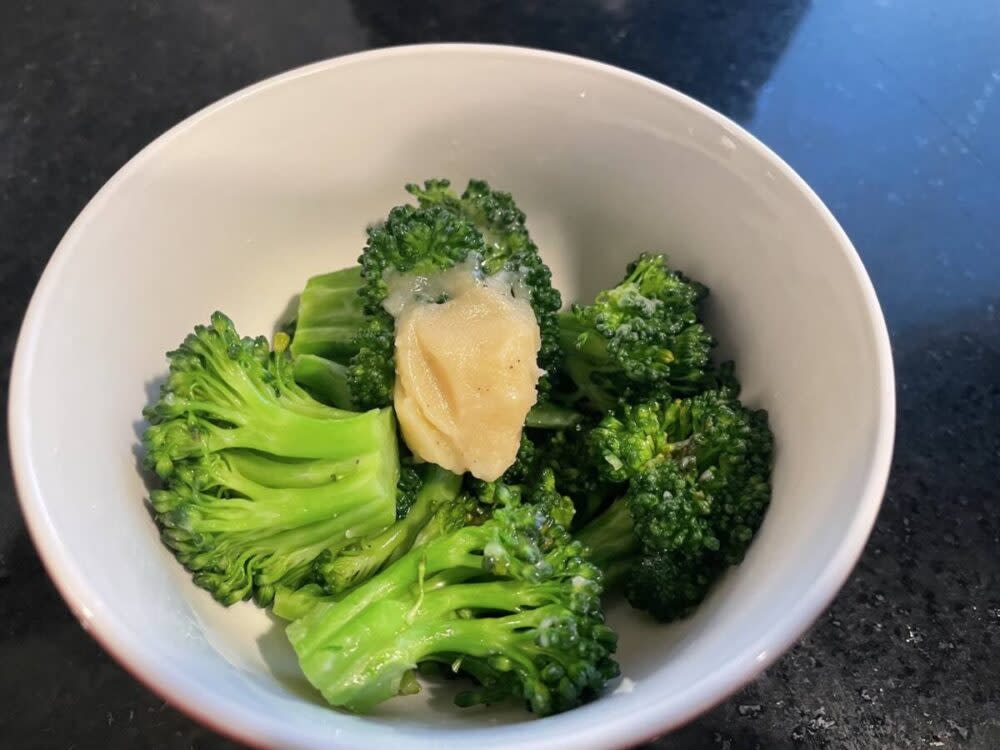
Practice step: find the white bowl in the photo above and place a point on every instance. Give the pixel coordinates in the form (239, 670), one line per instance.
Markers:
(235, 207)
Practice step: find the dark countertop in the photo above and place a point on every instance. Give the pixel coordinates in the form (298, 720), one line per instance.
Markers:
(890, 109)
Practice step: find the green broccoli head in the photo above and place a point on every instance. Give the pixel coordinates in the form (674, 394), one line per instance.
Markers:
(259, 478)
(698, 473)
(512, 603)
(639, 339)
(622, 443)
(567, 454)
(420, 241)
(358, 335)
(669, 585)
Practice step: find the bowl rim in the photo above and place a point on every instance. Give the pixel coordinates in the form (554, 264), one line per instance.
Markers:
(630, 727)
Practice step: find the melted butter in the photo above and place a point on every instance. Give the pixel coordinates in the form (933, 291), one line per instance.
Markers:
(466, 368)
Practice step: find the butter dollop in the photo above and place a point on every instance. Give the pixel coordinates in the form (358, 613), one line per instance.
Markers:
(466, 368)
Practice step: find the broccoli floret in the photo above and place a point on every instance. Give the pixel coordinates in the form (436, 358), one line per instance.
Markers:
(698, 473)
(436, 499)
(567, 454)
(371, 372)
(512, 603)
(259, 477)
(638, 340)
(445, 230)
(524, 470)
(358, 336)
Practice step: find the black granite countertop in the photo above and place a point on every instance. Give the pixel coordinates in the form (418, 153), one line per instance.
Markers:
(889, 108)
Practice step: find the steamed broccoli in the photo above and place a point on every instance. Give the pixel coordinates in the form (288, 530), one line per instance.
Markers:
(293, 604)
(286, 481)
(357, 335)
(436, 501)
(698, 473)
(329, 315)
(259, 477)
(640, 339)
(324, 379)
(511, 603)
(410, 241)
(565, 453)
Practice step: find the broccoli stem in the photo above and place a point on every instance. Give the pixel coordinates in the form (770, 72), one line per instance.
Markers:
(272, 471)
(513, 597)
(586, 353)
(272, 429)
(346, 570)
(324, 379)
(290, 548)
(398, 639)
(493, 596)
(293, 604)
(455, 552)
(549, 416)
(329, 315)
(256, 506)
(611, 540)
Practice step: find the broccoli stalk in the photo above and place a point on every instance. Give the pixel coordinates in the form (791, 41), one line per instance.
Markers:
(294, 604)
(511, 603)
(325, 379)
(259, 477)
(698, 473)
(341, 570)
(640, 339)
(550, 416)
(329, 316)
(611, 540)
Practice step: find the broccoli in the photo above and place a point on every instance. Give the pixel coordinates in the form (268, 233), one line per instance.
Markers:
(324, 379)
(436, 500)
(638, 340)
(293, 604)
(329, 316)
(549, 416)
(512, 603)
(565, 453)
(259, 477)
(341, 318)
(698, 473)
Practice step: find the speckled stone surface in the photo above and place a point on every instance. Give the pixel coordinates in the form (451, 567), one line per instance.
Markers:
(889, 108)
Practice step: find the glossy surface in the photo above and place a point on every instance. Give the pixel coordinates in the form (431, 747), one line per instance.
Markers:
(887, 108)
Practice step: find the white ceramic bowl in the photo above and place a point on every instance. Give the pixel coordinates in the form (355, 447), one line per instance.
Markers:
(238, 205)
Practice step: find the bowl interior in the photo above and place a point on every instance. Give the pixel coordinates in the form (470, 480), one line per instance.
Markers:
(236, 208)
